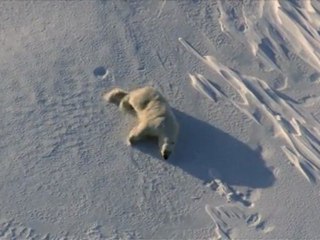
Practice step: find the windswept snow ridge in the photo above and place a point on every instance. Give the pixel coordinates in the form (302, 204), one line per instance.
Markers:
(258, 100)
(297, 129)
(271, 27)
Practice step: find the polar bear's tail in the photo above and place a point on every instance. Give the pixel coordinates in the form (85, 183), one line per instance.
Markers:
(115, 96)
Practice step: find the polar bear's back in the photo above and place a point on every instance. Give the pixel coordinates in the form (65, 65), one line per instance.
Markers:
(153, 108)
(148, 98)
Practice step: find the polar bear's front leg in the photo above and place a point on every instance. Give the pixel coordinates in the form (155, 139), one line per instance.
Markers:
(137, 133)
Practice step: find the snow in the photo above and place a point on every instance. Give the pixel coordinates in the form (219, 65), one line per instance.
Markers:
(243, 79)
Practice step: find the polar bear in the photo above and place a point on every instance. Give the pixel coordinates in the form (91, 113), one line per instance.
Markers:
(155, 116)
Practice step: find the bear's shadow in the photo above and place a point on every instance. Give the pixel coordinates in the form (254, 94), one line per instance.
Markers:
(204, 152)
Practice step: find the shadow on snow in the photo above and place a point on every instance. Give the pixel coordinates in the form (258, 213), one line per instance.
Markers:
(202, 148)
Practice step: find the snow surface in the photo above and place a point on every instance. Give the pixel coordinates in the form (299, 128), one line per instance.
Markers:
(243, 78)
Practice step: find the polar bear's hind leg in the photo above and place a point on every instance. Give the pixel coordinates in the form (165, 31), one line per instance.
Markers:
(115, 95)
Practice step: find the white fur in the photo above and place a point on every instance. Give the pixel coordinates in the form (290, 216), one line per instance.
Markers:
(155, 117)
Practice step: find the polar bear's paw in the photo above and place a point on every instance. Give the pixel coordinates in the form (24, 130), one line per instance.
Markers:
(129, 142)
(132, 139)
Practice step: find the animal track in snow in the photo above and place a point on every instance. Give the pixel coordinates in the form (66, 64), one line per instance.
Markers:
(231, 220)
(12, 230)
(253, 220)
(229, 193)
(315, 77)
(101, 72)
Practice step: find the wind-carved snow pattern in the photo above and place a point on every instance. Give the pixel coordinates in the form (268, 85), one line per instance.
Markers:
(297, 129)
(274, 31)
(270, 27)
(11, 230)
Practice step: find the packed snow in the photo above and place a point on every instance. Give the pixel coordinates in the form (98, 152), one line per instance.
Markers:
(242, 78)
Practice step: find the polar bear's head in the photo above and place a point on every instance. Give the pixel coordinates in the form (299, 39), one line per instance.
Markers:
(167, 149)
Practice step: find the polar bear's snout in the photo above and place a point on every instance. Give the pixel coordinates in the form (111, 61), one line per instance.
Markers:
(166, 155)
(166, 150)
